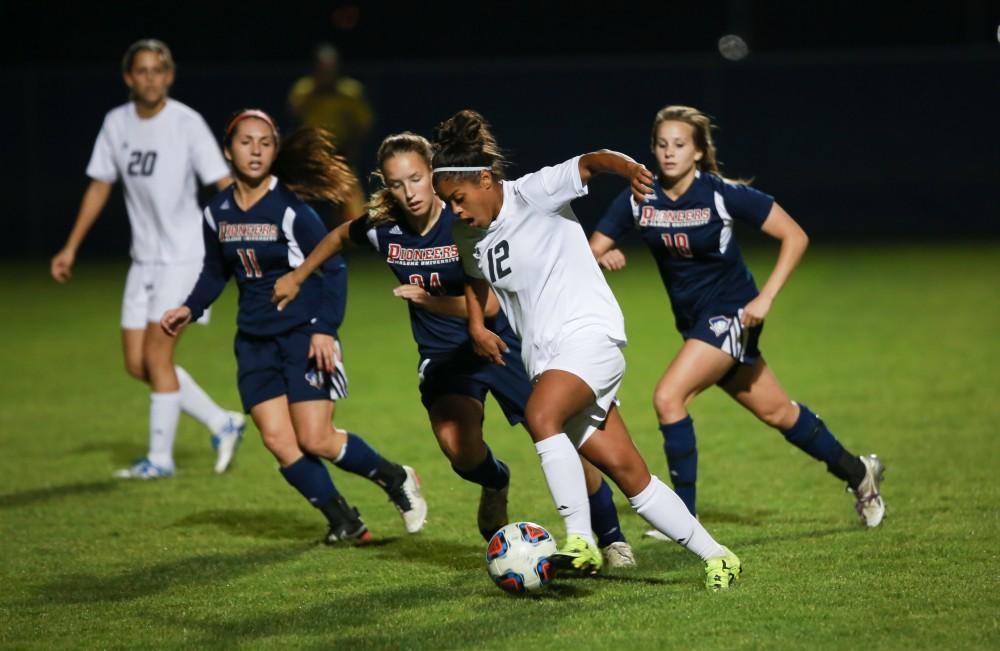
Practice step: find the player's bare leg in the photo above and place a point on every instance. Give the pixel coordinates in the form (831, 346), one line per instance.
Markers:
(457, 424)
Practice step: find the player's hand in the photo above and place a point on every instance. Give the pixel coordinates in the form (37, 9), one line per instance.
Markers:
(755, 311)
(487, 344)
(412, 293)
(285, 290)
(175, 319)
(62, 265)
(641, 182)
(613, 260)
(323, 349)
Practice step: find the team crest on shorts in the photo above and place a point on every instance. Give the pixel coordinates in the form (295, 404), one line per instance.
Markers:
(720, 325)
(316, 379)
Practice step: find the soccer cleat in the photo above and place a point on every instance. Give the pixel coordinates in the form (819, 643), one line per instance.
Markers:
(410, 502)
(619, 554)
(227, 440)
(144, 469)
(578, 556)
(492, 514)
(869, 503)
(723, 571)
(346, 525)
(657, 535)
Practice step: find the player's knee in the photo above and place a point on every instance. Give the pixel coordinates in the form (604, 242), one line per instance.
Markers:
(669, 405)
(312, 442)
(136, 369)
(281, 444)
(542, 420)
(779, 416)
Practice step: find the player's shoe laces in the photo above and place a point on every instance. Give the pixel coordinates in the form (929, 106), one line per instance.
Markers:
(227, 440)
(144, 469)
(578, 556)
(492, 515)
(869, 503)
(619, 554)
(723, 571)
(346, 525)
(409, 501)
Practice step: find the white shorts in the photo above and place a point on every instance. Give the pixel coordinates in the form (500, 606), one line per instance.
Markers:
(152, 288)
(597, 359)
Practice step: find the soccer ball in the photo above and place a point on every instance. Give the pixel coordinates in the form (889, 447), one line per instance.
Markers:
(517, 557)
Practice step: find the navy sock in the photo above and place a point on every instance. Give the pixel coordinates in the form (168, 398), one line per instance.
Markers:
(310, 477)
(811, 435)
(490, 473)
(682, 459)
(604, 516)
(361, 459)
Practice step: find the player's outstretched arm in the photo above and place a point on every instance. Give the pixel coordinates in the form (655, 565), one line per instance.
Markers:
(606, 161)
(603, 248)
(444, 305)
(287, 287)
(485, 342)
(94, 199)
(794, 241)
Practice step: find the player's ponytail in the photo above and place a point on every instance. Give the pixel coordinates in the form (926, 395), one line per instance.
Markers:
(383, 206)
(309, 164)
(702, 125)
(465, 141)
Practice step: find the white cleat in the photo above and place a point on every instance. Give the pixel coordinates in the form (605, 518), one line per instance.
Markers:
(144, 469)
(410, 502)
(870, 505)
(619, 554)
(657, 535)
(227, 440)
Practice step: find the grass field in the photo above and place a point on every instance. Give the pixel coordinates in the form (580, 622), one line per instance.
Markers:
(896, 347)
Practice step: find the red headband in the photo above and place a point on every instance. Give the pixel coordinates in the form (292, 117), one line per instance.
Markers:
(250, 113)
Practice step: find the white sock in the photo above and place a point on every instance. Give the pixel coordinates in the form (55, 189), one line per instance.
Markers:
(661, 507)
(164, 412)
(198, 404)
(564, 475)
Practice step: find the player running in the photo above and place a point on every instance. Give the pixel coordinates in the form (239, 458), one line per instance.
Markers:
(686, 221)
(522, 239)
(159, 148)
(290, 370)
(412, 228)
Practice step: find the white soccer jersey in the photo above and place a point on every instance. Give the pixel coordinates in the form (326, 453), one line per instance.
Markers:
(536, 257)
(158, 159)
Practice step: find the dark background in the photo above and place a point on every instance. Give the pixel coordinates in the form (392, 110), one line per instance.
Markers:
(867, 120)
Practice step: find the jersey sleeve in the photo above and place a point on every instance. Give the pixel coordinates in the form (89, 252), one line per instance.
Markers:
(206, 157)
(214, 273)
(362, 232)
(307, 230)
(466, 237)
(744, 203)
(618, 219)
(551, 188)
(102, 160)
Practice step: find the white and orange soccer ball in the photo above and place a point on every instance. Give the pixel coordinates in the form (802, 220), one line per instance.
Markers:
(517, 557)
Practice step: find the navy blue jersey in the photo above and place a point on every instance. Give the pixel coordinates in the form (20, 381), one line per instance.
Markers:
(430, 261)
(691, 240)
(258, 247)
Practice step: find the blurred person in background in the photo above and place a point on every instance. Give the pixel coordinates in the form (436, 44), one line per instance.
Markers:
(337, 103)
(687, 224)
(160, 149)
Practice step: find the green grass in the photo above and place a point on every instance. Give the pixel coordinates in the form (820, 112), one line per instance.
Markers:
(896, 347)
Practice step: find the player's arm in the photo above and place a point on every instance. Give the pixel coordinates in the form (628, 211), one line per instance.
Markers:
(606, 161)
(794, 241)
(95, 197)
(485, 342)
(445, 305)
(287, 287)
(211, 281)
(603, 248)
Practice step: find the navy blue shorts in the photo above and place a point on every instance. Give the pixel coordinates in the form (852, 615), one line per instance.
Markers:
(720, 326)
(268, 367)
(468, 374)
